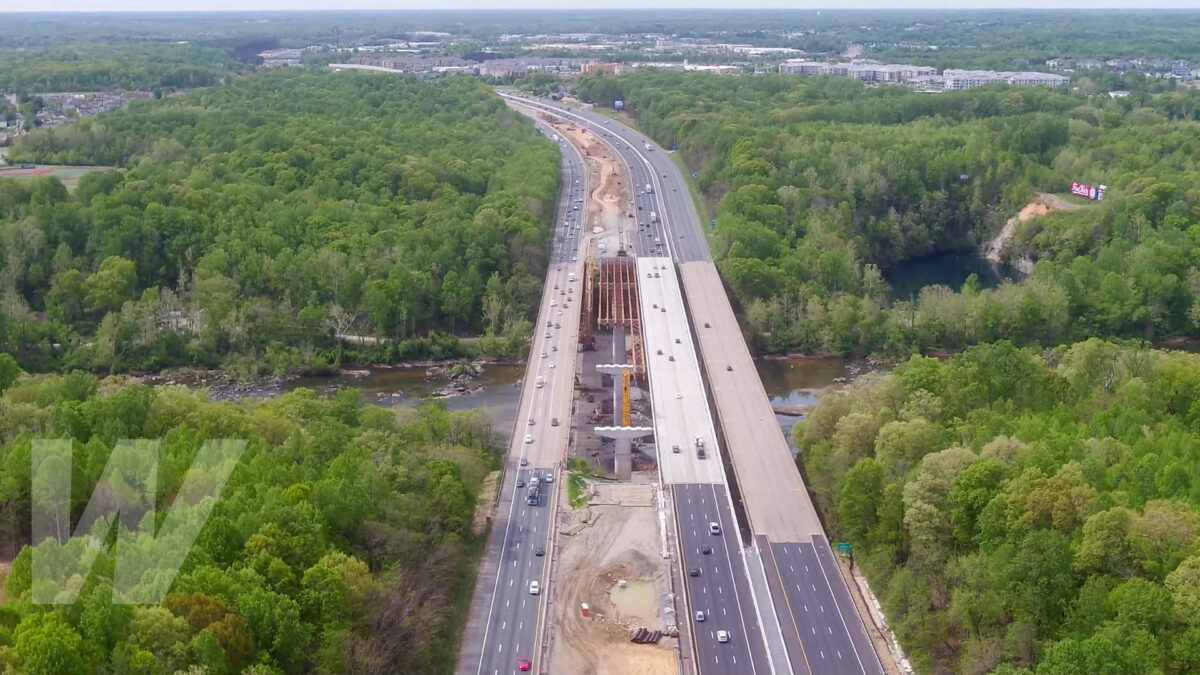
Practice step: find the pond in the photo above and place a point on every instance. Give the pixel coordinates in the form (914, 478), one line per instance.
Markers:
(948, 269)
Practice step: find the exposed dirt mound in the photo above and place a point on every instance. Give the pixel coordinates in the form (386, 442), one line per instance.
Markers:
(622, 544)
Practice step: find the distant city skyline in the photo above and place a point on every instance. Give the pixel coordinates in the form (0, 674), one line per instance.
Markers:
(351, 5)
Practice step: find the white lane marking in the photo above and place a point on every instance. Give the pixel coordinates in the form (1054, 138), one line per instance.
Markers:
(850, 637)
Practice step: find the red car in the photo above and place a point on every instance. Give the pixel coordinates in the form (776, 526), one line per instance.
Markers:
(523, 665)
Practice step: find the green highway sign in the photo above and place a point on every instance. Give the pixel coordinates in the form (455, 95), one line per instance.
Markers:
(843, 546)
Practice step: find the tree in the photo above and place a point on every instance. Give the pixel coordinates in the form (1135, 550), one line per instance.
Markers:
(45, 645)
(1184, 585)
(9, 371)
(111, 285)
(858, 504)
(1040, 578)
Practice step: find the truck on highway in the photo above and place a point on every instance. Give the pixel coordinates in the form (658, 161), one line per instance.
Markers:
(531, 496)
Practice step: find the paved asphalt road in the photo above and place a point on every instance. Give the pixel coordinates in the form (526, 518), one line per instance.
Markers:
(506, 620)
(788, 533)
(720, 589)
(678, 227)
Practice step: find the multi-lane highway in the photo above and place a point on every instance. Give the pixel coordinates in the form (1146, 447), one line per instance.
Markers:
(810, 606)
(504, 629)
(718, 594)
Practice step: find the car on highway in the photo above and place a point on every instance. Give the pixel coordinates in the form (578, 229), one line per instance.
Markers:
(553, 421)
(544, 355)
(714, 528)
(539, 551)
(700, 617)
(694, 572)
(534, 588)
(549, 478)
(706, 549)
(675, 448)
(722, 636)
(551, 364)
(524, 462)
(532, 421)
(523, 665)
(520, 482)
(528, 438)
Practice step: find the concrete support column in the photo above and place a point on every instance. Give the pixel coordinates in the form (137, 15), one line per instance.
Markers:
(623, 464)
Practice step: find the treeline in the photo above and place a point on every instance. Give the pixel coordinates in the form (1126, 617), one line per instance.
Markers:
(340, 544)
(1022, 512)
(97, 67)
(820, 184)
(255, 222)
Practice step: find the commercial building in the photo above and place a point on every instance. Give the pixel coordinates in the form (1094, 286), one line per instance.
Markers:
(600, 69)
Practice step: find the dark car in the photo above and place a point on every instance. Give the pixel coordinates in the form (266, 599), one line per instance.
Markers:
(706, 549)
(520, 483)
(539, 551)
(694, 572)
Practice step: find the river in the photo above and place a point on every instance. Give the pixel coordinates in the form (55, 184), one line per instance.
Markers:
(788, 382)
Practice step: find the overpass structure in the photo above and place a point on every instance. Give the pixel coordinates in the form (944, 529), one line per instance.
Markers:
(803, 616)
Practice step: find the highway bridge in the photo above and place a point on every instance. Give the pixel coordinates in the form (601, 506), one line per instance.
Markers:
(759, 566)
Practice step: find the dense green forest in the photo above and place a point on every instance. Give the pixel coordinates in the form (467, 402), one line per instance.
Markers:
(102, 67)
(1021, 511)
(820, 184)
(252, 222)
(340, 544)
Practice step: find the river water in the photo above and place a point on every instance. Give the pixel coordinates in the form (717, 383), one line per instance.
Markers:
(409, 387)
(788, 382)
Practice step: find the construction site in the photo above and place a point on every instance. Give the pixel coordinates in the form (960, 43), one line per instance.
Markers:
(613, 605)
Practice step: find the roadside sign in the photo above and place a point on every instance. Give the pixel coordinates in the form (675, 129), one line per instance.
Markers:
(843, 546)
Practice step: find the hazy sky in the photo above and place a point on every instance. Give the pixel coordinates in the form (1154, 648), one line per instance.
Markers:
(227, 5)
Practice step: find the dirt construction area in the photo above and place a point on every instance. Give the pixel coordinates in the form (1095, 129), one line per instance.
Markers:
(621, 544)
(608, 207)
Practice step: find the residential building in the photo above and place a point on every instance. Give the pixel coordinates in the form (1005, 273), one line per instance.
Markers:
(969, 79)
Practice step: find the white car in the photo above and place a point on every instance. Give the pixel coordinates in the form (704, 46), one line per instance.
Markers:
(713, 527)
(551, 364)
(535, 588)
(528, 438)
(722, 635)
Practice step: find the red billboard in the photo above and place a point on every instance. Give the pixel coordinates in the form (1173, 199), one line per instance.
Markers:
(1088, 191)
